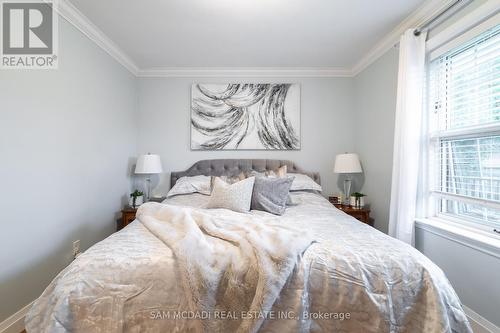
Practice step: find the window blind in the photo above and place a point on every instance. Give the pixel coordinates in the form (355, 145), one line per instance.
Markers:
(464, 97)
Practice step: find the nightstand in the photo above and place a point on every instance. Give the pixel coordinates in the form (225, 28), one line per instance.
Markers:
(128, 215)
(361, 214)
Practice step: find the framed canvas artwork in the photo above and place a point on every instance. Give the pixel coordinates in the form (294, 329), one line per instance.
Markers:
(245, 116)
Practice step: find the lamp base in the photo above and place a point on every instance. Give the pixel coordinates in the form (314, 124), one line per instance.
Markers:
(148, 188)
(347, 191)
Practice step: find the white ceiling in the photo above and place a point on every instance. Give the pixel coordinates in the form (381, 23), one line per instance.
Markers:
(246, 33)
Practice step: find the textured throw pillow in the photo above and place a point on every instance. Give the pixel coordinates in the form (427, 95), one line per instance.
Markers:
(303, 182)
(271, 194)
(228, 179)
(187, 185)
(280, 172)
(236, 197)
(254, 173)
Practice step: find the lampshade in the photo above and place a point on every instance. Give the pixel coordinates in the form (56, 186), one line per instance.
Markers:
(148, 164)
(347, 163)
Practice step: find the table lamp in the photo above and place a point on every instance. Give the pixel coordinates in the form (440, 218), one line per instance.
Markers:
(347, 164)
(149, 164)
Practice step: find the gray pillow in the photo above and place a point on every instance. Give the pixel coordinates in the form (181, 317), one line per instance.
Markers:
(271, 194)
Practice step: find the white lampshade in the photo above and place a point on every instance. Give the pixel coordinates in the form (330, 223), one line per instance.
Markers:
(347, 163)
(149, 164)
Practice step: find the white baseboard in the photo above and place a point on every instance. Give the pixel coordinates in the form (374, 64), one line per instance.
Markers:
(15, 323)
(480, 324)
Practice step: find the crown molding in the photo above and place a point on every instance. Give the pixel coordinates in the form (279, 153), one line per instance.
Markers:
(71, 14)
(419, 16)
(262, 72)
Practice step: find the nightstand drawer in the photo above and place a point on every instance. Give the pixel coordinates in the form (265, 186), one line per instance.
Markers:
(360, 214)
(128, 216)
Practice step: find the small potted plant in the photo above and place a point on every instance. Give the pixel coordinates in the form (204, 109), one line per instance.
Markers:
(136, 198)
(357, 200)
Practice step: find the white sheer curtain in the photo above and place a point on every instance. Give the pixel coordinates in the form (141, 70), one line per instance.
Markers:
(407, 136)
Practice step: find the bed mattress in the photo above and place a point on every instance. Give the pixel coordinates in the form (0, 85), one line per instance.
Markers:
(353, 278)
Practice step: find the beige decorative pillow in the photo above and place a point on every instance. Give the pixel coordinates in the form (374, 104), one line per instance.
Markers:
(233, 179)
(281, 172)
(236, 197)
(227, 179)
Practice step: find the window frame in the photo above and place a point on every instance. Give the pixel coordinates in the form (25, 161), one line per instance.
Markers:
(448, 39)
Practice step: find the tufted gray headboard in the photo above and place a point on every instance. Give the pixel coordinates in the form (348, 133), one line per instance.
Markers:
(232, 167)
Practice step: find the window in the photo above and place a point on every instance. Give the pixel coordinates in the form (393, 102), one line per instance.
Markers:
(464, 103)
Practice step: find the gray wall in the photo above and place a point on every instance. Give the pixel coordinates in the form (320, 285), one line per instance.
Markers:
(473, 274)
(326, 125)
(66, 137)
(374, 113)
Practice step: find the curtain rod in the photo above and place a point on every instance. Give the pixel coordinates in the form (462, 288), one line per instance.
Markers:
(434, 18)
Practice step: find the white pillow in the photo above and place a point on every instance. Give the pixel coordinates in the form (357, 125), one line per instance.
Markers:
(236, 197)
(187, 185)
(304, 182)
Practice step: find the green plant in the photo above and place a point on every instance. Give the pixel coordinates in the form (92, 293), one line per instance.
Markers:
(134, 195)
(357, 199)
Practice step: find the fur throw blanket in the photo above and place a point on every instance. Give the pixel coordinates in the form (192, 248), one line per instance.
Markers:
(229, 262)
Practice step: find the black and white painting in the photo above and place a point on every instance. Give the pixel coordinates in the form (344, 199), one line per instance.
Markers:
(245, 116)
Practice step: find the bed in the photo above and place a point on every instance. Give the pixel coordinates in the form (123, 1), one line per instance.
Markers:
(349, 278)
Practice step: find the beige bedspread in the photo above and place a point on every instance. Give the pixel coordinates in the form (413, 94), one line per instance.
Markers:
(353, 279)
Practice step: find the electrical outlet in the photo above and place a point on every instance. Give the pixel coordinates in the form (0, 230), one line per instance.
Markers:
(76, 248)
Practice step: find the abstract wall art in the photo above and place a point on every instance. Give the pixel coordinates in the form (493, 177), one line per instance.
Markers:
(245, 116)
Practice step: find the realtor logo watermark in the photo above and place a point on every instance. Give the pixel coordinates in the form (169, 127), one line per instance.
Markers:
(29, 34)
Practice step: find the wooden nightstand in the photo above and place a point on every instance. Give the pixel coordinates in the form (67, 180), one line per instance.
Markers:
(128, 215)
(361, 214)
